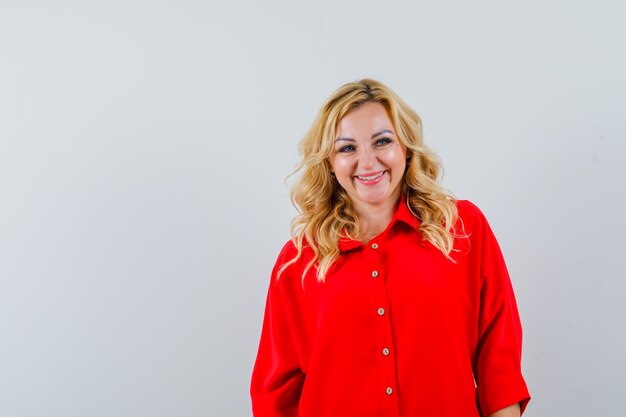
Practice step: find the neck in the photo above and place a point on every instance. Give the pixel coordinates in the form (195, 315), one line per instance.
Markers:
(373, 219)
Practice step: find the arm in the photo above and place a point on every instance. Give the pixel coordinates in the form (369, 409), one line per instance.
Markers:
(511, 411)
(277, 378)
(497, 361)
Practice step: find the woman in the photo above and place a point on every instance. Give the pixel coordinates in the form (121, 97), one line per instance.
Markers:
(392, 298)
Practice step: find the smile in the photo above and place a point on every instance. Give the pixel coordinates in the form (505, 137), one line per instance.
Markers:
(370, 177)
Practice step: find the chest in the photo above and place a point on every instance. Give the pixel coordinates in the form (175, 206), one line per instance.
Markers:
(408, 278)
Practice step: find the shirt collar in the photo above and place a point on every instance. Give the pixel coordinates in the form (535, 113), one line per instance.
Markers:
(402, 214)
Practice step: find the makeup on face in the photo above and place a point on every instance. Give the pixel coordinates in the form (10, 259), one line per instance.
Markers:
(368, 159)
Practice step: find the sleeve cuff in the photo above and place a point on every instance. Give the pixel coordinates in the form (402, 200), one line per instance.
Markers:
(502, 391)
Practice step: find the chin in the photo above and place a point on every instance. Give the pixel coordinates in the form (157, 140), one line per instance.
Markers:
(374, 198)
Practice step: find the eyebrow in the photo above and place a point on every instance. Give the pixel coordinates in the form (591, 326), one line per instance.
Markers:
(373, 136)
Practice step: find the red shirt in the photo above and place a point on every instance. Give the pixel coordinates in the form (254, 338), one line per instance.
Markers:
(396, 330)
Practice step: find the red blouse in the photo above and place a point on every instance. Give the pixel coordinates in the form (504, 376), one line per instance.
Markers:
(396, 330)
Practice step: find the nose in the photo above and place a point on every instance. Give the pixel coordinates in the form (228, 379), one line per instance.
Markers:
(368, 158)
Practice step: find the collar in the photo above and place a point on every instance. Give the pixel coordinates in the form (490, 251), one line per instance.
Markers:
(402, 214)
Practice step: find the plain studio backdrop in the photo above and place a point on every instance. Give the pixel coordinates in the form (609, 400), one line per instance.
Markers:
(144, 147)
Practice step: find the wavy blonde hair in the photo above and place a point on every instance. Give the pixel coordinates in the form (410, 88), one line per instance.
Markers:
(325, 211)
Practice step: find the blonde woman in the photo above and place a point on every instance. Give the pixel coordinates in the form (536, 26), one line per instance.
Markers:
(393, 297)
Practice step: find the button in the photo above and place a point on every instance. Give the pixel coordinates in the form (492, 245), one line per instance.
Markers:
(385, 351)
(374, 274)
(374, 245)
(381, 311)
(389, 390)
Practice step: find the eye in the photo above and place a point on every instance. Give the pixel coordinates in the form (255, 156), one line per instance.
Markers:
(347, 148)
(382, 141)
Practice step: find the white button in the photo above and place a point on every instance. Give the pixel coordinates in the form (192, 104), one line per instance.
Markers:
(389, 391)
(374, 274)
(374, 245)
(385, 351)
(381, 311)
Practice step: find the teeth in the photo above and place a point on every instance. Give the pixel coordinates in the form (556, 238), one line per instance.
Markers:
(373, 177)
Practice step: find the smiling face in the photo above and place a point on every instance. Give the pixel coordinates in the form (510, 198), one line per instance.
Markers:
(368, 159)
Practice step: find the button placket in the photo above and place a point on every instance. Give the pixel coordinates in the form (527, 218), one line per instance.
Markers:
(384, 336)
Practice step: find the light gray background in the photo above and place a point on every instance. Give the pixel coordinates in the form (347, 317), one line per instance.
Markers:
(144, 147)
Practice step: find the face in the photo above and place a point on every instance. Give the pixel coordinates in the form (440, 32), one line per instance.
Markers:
(368, 159)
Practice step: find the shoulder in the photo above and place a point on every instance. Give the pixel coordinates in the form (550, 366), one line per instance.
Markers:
(470, 215)
(473, 223)
(288, 251)
(288, 263)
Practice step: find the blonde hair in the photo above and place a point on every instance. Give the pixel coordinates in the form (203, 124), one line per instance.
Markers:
(325, 211)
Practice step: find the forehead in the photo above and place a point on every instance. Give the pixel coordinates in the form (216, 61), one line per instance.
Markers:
(366, 119)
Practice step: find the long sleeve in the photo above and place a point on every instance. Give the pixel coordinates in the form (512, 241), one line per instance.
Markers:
(277, 378)
(498, 362)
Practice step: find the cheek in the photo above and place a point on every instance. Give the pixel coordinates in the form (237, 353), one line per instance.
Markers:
(394, 156)
(343, 166)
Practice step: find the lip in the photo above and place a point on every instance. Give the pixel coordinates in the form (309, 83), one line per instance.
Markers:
(369, 174)
(378, 174)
